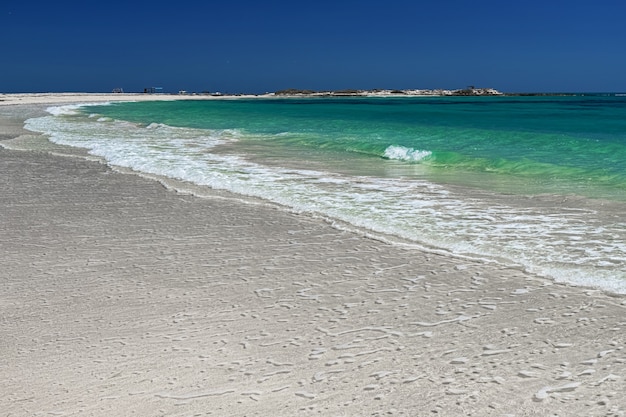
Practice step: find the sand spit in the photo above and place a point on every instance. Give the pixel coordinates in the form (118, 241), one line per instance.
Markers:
(119, 297)
(60, 98)
(68, 98)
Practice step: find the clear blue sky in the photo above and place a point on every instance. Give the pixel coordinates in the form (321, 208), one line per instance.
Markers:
(267, 45)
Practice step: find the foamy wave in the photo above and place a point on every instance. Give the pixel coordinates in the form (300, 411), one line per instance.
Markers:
(71, 109)
(405, 154)
(157, 126)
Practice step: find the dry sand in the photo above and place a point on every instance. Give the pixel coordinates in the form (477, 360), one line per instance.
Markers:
(119, 297)
(69, 98)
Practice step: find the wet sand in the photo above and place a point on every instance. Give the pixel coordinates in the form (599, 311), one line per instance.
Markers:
(121, 297)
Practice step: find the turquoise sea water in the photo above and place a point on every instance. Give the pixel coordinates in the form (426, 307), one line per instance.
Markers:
(538, 182)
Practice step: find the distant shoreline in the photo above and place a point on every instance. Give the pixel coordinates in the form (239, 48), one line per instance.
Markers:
(73, 98)
(469, 91)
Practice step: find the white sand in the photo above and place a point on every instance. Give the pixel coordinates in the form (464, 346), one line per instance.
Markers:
(119, 297)
(60, 98)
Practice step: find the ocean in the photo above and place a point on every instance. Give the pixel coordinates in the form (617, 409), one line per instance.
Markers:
(538, 183)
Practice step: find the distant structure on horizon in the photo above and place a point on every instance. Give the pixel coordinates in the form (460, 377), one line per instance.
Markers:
(152, 90)
(469, 91)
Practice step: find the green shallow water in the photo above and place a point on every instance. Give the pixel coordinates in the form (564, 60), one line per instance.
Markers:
(575, 144)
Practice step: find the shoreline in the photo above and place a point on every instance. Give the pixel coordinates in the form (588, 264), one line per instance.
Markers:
(79, 98)
(120, 296)
(10, 99)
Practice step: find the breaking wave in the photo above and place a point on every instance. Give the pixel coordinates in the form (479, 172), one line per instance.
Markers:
(406, 154)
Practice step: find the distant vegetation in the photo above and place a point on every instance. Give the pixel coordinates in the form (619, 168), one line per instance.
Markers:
(469, 91)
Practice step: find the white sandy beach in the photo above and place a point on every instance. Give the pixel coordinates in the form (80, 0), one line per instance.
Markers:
(68, 98)
(120, 297)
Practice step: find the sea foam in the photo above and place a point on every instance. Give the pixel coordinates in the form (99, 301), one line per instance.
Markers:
(406, 154)
(71, 109)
